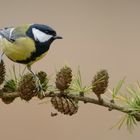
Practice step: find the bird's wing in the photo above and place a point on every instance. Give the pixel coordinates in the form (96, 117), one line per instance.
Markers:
(11, 34)
(6, 33)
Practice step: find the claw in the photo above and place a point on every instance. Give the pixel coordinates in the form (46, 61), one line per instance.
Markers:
(39, 88)
(38, 85)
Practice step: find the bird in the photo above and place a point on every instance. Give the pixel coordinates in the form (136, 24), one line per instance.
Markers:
(28, 43)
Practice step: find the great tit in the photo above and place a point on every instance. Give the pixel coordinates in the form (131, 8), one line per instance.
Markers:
(27, 44)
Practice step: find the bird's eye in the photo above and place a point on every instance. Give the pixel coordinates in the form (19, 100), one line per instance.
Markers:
(40, 36)
(52, 33)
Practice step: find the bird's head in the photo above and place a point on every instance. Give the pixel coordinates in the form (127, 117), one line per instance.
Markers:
(42, 33)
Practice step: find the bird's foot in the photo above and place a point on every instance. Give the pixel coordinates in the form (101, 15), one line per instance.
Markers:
(39, 88)
(38, 84)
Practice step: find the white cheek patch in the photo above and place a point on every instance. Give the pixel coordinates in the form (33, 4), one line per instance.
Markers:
(40, 36)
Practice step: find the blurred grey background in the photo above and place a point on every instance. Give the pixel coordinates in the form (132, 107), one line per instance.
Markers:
(98, 34)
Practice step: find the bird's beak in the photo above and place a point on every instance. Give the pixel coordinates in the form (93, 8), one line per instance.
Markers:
(57, 37)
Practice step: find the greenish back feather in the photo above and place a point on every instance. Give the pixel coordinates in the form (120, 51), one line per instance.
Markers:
(19, 32)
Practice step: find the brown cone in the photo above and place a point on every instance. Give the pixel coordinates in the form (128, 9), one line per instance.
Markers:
(65, 105)
(8, 100)
(2, 72)
(42, 76)
(100, 82)
(27, 87)
(63, 78)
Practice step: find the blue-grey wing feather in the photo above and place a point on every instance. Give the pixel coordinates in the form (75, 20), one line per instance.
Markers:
(10, 34)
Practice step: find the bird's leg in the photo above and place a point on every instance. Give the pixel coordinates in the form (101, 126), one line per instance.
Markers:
(1, 56)
(29, 68)
(38, 84)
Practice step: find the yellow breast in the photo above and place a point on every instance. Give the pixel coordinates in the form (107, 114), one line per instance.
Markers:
(19, 50)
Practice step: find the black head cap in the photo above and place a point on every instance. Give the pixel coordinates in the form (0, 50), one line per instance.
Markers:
(44, 28)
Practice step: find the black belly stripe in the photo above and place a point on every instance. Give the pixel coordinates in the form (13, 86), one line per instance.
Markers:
(41, 48)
